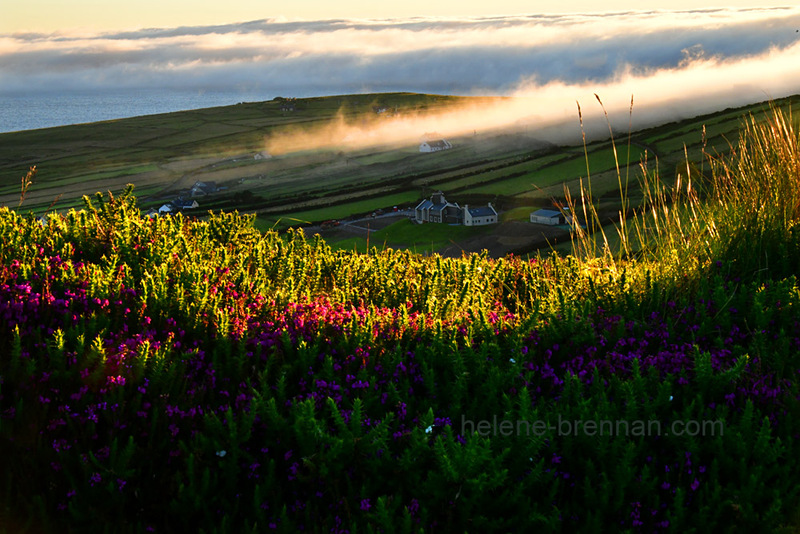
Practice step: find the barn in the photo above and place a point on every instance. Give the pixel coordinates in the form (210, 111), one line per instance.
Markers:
(549, 217)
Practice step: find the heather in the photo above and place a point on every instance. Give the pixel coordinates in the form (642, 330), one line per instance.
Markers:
(179, 375)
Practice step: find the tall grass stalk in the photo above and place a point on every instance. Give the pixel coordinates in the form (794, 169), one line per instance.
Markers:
(757, 194)
(584, 244)
(745, 212)
(27, 180)
(584, 241)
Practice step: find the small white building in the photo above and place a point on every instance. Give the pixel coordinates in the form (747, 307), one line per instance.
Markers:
(433, 142)
(550, 217)
(166, 208)
(480, 216)
(434, 146)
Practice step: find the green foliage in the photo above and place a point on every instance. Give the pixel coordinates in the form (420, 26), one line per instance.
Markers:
(187, 375)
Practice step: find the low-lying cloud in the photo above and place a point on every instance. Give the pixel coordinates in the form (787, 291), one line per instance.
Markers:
(675, 63)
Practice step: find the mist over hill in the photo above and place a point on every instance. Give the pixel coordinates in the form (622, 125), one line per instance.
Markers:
(676, 63)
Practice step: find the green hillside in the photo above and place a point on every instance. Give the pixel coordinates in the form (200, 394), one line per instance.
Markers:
(199, 375)
(164, 155)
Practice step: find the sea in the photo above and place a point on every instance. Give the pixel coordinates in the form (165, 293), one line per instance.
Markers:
(44, 110)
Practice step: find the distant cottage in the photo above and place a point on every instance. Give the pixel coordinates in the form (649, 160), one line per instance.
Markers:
(201, 189)
(439, 210)
(433, 142)
(175, 206)
(185, 204)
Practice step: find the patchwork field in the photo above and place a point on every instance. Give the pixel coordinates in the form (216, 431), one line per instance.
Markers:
(182, 374)
(165, 155)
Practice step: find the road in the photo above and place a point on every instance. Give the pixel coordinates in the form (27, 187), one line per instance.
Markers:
(362, 225)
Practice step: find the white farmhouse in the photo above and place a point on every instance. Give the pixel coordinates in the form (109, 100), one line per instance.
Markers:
(480, 216)
(439, 210)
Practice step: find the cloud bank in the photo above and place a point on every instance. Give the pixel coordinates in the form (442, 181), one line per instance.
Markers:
(681, 62)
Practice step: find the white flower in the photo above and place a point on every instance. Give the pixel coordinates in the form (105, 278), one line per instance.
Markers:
(670, 397)
(221, 454)
(429, 429)
(512, 360)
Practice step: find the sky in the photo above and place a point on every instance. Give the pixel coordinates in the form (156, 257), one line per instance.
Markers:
(112, 15)
(676, 59)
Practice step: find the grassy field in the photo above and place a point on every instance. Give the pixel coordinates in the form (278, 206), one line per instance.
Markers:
(177, 375)
(406, 234)
(164, 155)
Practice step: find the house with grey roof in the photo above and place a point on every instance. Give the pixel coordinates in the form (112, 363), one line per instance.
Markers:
(550, 217)
(185, 204)
(201, 189)
(439, 210)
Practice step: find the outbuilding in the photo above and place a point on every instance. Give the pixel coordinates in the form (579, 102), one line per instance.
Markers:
(549, 217)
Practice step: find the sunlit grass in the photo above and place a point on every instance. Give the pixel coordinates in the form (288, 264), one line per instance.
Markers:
(177, 374)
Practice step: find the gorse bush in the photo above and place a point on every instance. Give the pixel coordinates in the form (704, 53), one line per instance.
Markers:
(175, 375)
